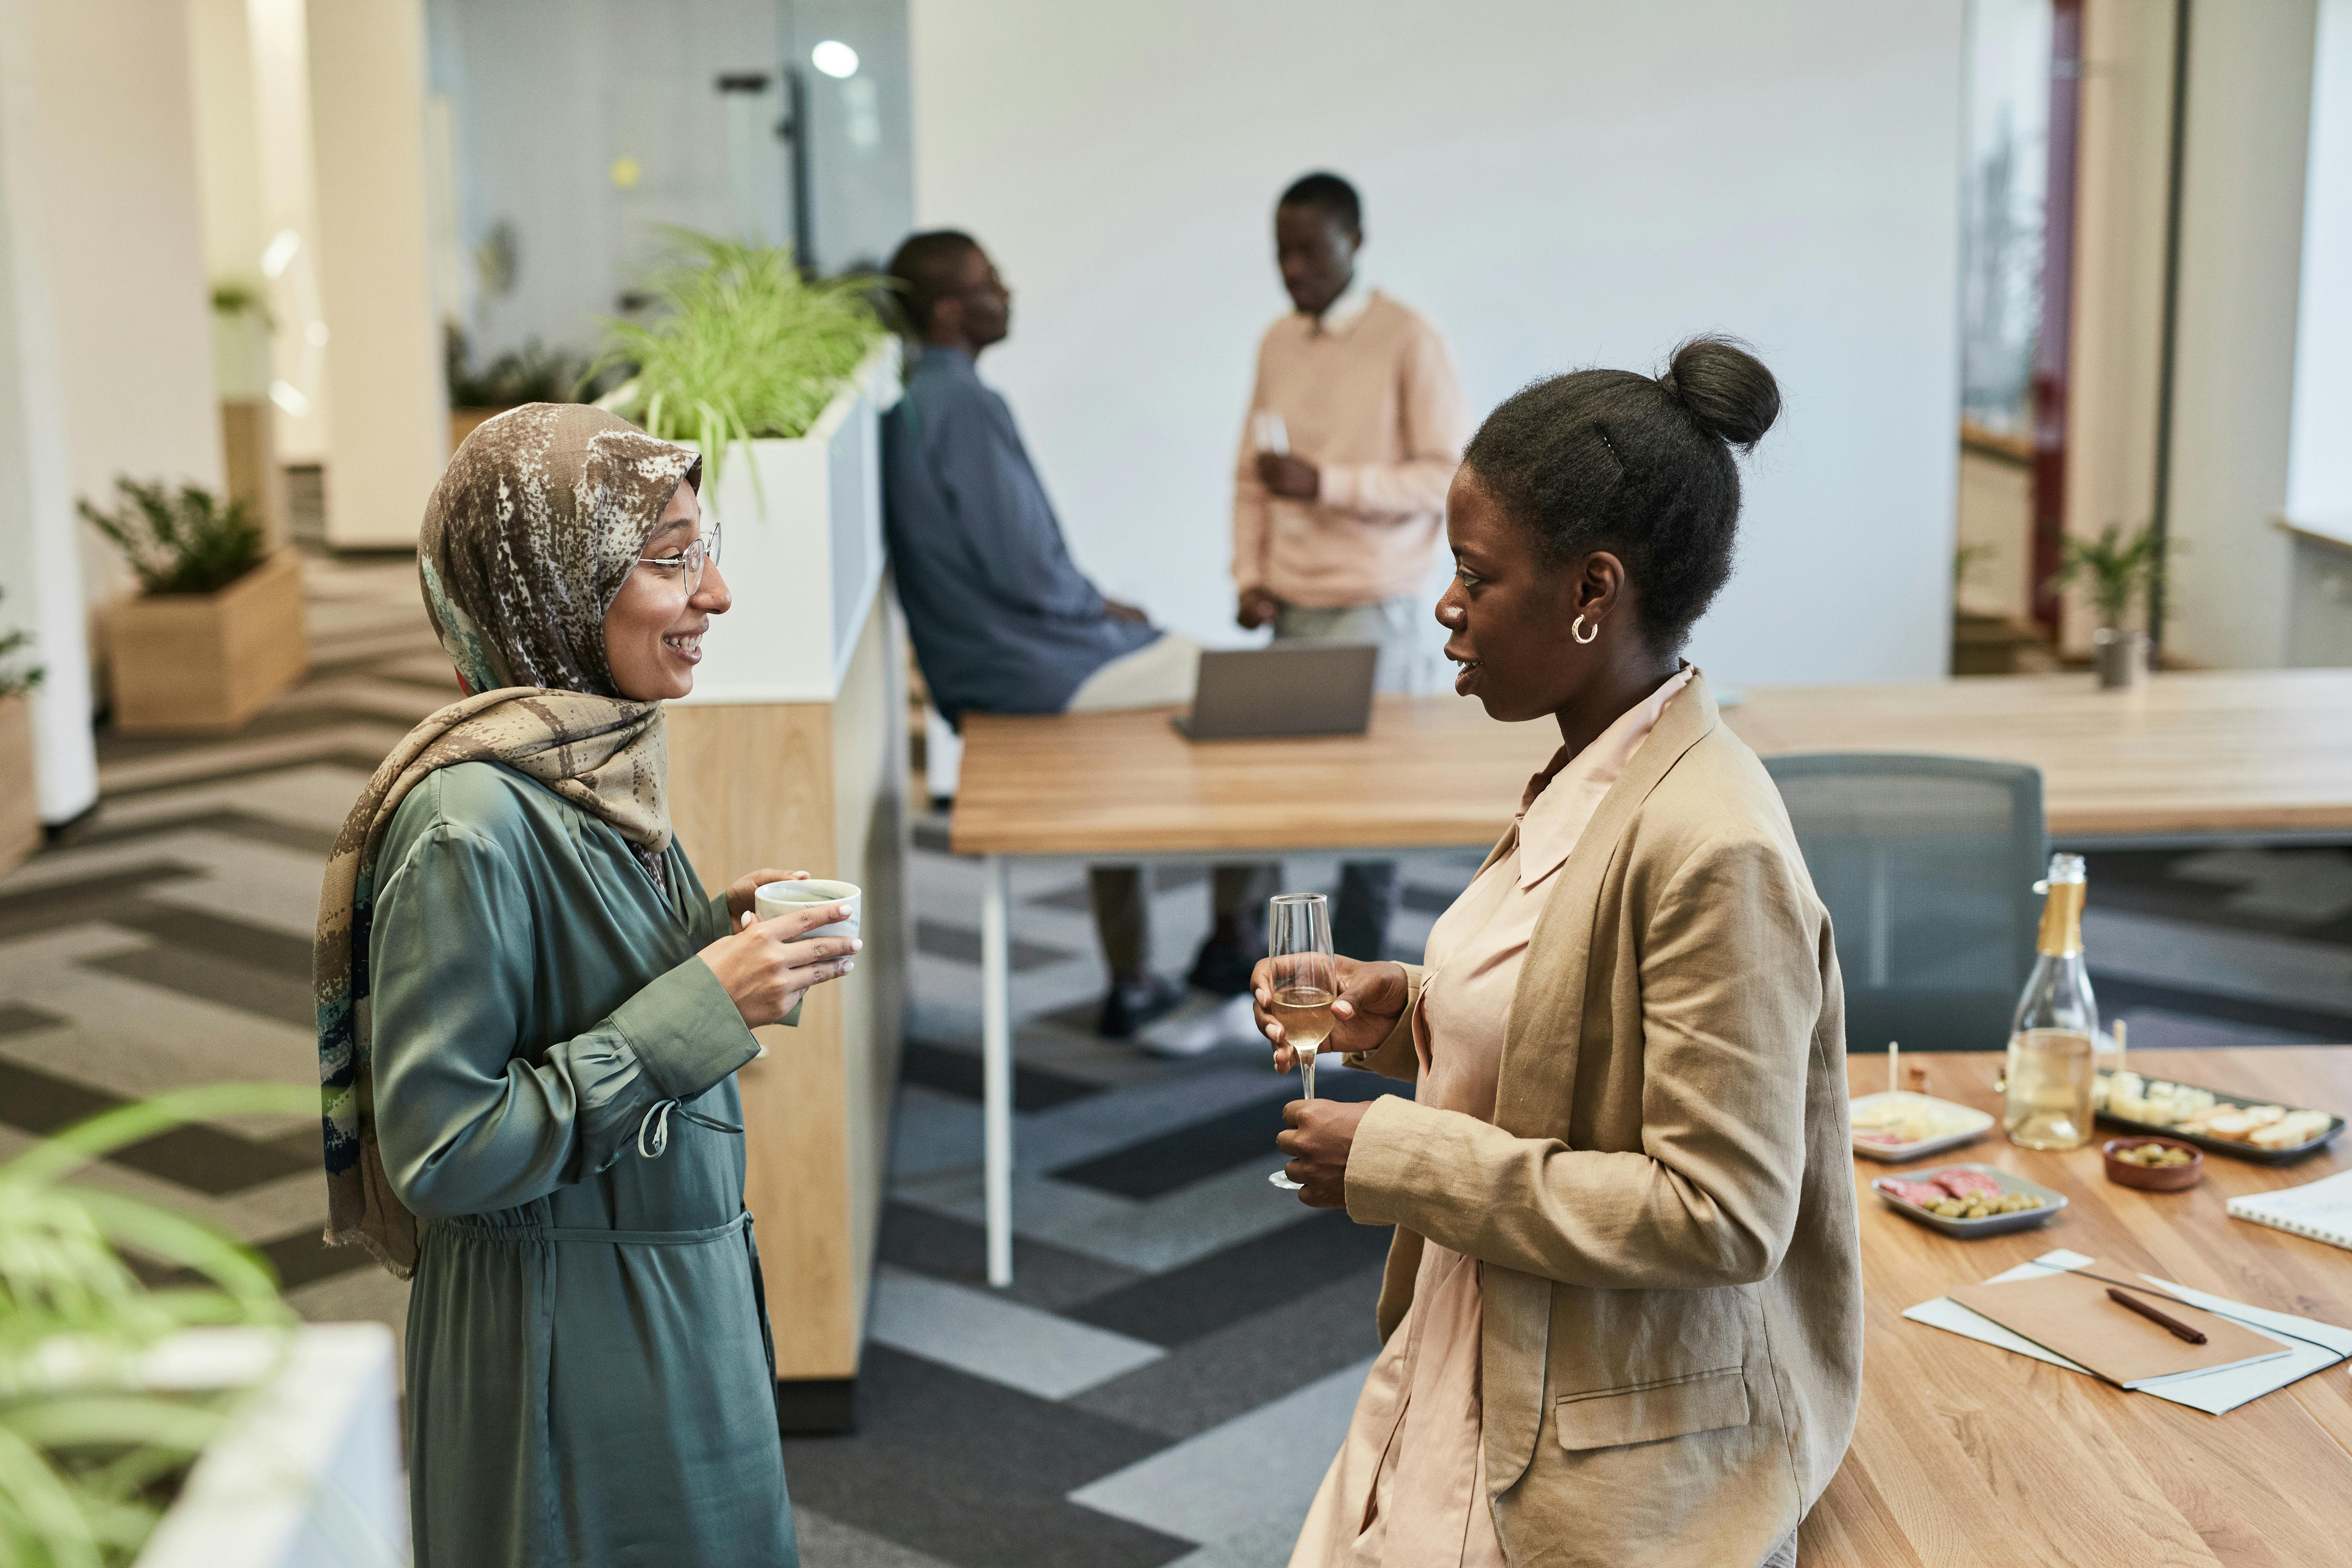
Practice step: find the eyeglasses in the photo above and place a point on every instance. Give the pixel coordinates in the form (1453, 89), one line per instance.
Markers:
(689, 561)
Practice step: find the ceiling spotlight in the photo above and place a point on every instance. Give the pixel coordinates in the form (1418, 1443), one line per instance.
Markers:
(834, 58)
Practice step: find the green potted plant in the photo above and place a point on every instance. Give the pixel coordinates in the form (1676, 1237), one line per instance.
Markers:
(531, 374)
(778, 378)
(2117, 570)
(20, 817)
(183, 1421)
(217, 630)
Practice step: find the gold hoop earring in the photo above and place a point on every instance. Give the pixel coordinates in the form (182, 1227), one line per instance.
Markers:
(1582, 633)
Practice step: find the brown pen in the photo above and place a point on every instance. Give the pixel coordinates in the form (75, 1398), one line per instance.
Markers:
(2194, 1336)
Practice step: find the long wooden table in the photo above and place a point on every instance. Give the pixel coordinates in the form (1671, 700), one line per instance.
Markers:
(2188, 754)
(1968, 1455)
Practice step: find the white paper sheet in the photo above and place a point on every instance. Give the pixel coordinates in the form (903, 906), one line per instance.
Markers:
(2217, 1390)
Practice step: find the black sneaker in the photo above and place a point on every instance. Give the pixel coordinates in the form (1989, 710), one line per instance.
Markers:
(1222, 966)
(1135, 1005)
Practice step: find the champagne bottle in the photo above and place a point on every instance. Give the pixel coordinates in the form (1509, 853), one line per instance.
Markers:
(2053, 1044)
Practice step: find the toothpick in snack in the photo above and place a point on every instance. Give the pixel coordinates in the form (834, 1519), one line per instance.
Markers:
(1894, 1065)
(2119, 1046)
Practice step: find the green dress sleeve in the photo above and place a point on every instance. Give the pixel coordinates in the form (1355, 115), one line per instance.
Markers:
(471, 1117)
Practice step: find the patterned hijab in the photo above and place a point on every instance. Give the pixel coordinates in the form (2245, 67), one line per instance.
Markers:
(541, 517)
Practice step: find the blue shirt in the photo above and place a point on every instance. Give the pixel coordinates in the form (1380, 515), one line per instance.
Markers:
(1003, 622)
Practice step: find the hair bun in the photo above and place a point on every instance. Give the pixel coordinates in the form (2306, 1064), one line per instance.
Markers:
(1725, 390)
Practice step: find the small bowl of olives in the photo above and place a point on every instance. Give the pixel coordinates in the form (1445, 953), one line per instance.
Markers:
(2153, 1164)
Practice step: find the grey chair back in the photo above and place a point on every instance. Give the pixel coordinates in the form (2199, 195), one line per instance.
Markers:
(1928, 866)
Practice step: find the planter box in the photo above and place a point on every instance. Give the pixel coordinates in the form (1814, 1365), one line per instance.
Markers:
(792, 752)
(462, 422)
(196, 664)
(802, 549)
(20, 814)
(311, 1472)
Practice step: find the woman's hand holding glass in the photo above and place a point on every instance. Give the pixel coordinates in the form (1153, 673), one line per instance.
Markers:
(766, 965)
(1371, 999)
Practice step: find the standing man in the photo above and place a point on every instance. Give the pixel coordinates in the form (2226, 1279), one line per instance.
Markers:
(1335, 527)
(1003, 619)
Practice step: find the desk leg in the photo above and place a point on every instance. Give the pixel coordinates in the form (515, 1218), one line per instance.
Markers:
(996, 1064)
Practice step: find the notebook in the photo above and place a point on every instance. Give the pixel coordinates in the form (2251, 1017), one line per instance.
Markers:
(2072, 1315)
(2311, 1346)
(2321, 1210)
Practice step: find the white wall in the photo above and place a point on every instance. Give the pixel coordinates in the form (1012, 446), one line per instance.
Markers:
(2319, 463)
(390, 434)
(549, 94)
(123, 244)
(1557, 182)
(39, 567)
(2249, 75)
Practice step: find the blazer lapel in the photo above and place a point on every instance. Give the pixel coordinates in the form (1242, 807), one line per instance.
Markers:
(1537, 1078)
(1538, 1070)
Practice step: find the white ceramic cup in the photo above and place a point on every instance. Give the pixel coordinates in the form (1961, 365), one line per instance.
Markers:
(782, 897)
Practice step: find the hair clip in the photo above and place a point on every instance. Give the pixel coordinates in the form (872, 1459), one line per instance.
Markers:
(1603, 431)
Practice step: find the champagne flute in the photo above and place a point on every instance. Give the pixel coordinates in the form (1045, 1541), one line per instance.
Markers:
(1305, 982)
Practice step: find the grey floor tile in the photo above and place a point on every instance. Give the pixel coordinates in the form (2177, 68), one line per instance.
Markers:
(1232, 1371)
(1237, 1282)
(827, 1543)
(1160, 1234)
(952, 1070)
(1043, 1275)
(945, 939)
(212, 977)
(980, 1333)
(1256, 1472)
(975, 1473)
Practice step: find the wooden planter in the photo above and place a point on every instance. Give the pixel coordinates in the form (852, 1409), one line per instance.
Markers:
(199, 664)
(463, 421)
(20, 817)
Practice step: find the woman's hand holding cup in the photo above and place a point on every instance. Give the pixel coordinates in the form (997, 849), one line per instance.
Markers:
(744, 890)
(1371, 999)
(767, 965)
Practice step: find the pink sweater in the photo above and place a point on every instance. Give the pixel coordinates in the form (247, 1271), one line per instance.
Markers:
(1370, 397)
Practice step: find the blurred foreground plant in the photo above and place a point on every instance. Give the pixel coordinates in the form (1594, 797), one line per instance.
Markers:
(88, 1459)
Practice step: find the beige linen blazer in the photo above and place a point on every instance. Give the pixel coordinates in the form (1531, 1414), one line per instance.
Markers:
(1664, 1204)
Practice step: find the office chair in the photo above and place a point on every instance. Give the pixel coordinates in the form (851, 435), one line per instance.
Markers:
(1928, 866)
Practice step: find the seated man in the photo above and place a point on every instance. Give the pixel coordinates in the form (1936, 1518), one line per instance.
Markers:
(1003, 619)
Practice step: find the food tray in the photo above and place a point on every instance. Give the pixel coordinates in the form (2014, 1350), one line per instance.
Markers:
(1897, 1152)
(2211, 1145)
(1970, 1229)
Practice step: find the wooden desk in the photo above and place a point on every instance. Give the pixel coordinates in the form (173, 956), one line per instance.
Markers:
(2188, 754)
(1968, 1455)
(2211, 755)
(2204, 753)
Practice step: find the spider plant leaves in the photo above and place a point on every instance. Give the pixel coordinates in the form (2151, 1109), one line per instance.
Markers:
(86, 1455)
(742, 347)
(101, 1135)
(191, 542)
(114, 1421)
(41, 1519)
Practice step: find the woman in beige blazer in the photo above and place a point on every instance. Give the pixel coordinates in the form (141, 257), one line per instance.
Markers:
(1622, 1312)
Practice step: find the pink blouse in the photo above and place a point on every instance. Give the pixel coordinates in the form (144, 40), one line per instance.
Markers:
(1408, 1487)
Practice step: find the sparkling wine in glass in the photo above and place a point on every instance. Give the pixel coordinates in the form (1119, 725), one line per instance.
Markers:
(1299, 941)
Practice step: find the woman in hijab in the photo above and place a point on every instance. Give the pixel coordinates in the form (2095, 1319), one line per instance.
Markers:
(529, 1020)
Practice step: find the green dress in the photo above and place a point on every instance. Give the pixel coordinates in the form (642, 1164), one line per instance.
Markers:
(590, 1378)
